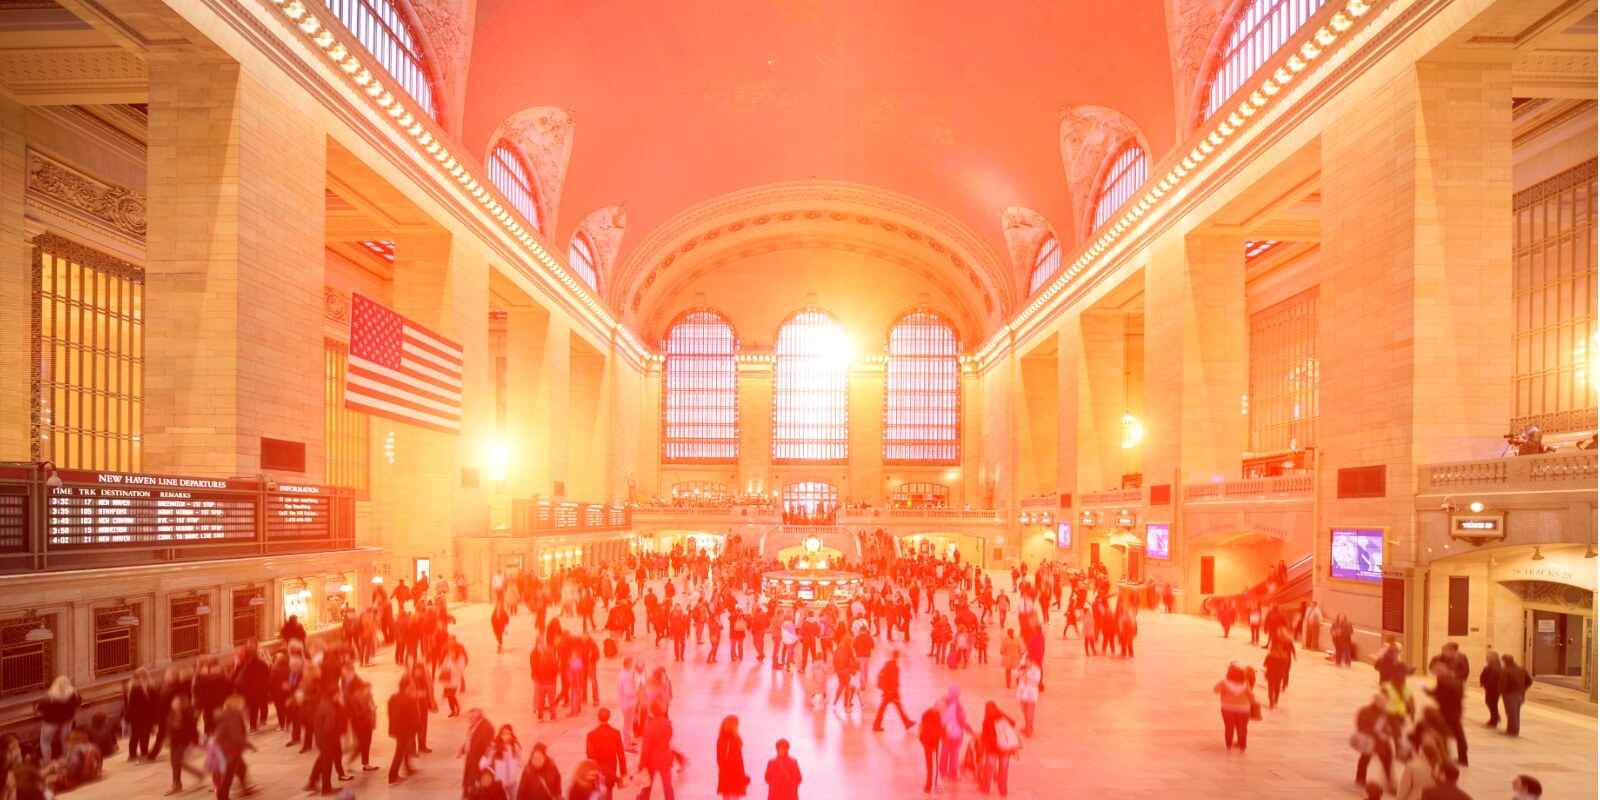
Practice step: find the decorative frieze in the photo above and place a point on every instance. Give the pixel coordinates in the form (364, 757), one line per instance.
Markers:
(62, 188)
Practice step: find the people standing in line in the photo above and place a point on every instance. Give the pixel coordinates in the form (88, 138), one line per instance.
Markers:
(141, 704)
(783, 775)
(1028, 678)
(540, 779)
(998, 742)
(1514, 683)
(1238, 703)
(889, 692)
(403, 714)
(732, 780)
(604, 746)
(1489, 680)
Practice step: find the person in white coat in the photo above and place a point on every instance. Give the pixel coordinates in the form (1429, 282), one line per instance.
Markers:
(504, 760)
(628, 701)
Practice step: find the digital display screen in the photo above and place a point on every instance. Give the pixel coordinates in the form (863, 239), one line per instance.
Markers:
(1157, 540)
(1357, 554)
(1064, 535)
(97, 509)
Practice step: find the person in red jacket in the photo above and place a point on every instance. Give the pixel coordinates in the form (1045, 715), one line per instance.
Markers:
(783, 775)
(655, 754)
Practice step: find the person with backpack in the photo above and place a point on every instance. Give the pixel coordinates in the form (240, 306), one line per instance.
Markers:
(954, 720)
(999, 742)
(889, 691)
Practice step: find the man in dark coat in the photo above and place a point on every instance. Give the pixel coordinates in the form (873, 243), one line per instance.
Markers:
(326, 729)
(783, 775)
(1514, 683)
(1490, 679)
(604, 748)
(252, 678)
(1449, 693)
(480, 737)
(889, 687)
(402, 728)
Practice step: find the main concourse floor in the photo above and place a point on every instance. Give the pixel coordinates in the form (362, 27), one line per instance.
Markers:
(1148, 727)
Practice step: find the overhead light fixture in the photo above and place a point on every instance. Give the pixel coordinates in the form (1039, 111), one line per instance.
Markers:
(203, 609)
(1537, 556)
(128, 621)
(377, 580)
(39, 634)
(52, 478)
(345, 587)
(1132, 431)
(305, 594)
(1476, 506)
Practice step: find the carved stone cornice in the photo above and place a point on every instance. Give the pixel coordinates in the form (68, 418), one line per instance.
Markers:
(58, 186)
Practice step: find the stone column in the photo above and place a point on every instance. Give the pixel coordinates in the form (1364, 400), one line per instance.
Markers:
(16, 292)
(233, 324)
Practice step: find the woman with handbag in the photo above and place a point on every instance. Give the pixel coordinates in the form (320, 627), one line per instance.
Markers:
(732, 780)
(1000, 743)
(1238, 706)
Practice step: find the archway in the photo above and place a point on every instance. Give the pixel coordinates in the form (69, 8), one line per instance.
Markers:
(690, 541)
(1229, 561)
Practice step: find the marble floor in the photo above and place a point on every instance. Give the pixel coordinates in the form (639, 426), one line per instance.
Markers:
(1108, 728)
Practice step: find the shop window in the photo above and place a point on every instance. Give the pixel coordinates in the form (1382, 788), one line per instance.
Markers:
(26, 664)
(811, 391)
(1284, 376)
(922, 398)
(700, 421)
(116, 639)
(186, 628)
(347, 433)
(89, 357)
(1555, 382)
(247, 617)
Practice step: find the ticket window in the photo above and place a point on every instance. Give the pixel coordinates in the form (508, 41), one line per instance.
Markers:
(420, 568)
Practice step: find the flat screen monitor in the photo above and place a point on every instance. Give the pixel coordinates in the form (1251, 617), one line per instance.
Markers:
(1357, 554)
(1157, 540)
(1063, 535)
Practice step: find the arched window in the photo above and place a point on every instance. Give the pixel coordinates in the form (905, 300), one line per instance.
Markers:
(922, 401)
(700, 491)
(701, 406)
(1045, 262)
(1261, 28)
(811, 391)
(580, 256)
(510, 174)
(1127, 173)
(379, 27)
(810, 503)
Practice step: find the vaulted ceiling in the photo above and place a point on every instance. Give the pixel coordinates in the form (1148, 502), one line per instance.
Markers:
(956, 106)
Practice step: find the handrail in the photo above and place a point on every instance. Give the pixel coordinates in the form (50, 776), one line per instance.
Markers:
(1267, 590)
(1561, 469)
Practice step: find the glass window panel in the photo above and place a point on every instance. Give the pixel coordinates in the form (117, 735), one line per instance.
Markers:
(1262, 27)
(1284, 376)
(922, 392)
(1555, 340)
(1128, 172)
(379, 26)
(1045, 263)
(580, 256)
(810, 390)
(701, 404)
(510, 173)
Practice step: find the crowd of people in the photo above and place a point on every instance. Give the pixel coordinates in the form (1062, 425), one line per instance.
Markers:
(205, 716)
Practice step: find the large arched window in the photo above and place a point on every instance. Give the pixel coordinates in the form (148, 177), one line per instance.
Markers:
(510, 174)
(701, 407)
(380, 28)
(580, 256)
(922, 401)
(1126, 174)
(811, 391)
(1261, 28)
(1045, 262)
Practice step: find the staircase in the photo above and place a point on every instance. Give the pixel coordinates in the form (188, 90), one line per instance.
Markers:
(1287, 595)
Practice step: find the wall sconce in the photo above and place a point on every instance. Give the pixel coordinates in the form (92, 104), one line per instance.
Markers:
(52, 478)
(41, 633)
(305, 594)
(377, 580)
(128, 620)
(203, 609)
(1025, 518)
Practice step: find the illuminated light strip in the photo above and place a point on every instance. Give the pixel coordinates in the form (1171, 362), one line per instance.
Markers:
(341, 57)
(1287, 72)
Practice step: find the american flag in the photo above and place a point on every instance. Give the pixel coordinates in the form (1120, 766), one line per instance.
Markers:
(402, 371)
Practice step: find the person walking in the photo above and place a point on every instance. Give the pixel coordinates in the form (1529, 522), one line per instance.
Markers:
(502, 759)
(141, 704)
(1238, 704)
(1280, 654)
(1449, 695)
(783, 775)
(655, 754)
(1344, 648)
(325, 731)
(998, 743)
(480, 739)
(1489, 679)
(604, 747)
(1514, 683)
(183, 732)
(499, 620)
(540, 779)
(1028, 678)
(1011, 654)
(954, 720)
(930, 733)
(57, 711)
(232, 739)
(363, 712)
(889, 692)
(403, 712)
(732, 780)
(1311, 622)
(1372, 738)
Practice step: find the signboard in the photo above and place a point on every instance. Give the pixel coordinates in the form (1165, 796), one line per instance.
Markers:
(1088, 518)
(1356, 554)
(94, 509)
(1157, 540)
(1063, 535)
(1547, 626)
(299, 512)
(1127, 519)
(1478, 528)
(1394, 603)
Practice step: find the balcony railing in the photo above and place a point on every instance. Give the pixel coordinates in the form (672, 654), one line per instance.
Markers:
(845, 514)
(1566, 469)
(1282, 487)
(1114, 497)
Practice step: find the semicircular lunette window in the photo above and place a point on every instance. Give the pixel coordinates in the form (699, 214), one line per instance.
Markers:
(509, 173)
(1129, 170)
(1261, 29)
(811, 391)
(380, 28)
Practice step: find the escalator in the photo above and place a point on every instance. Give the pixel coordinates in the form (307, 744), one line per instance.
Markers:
(1285, 594)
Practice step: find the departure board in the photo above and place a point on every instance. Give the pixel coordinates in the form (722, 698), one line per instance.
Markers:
(13, 518)
(299, 512)
(94, 509)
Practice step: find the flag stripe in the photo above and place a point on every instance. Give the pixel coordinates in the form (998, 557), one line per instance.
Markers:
(402, 371)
